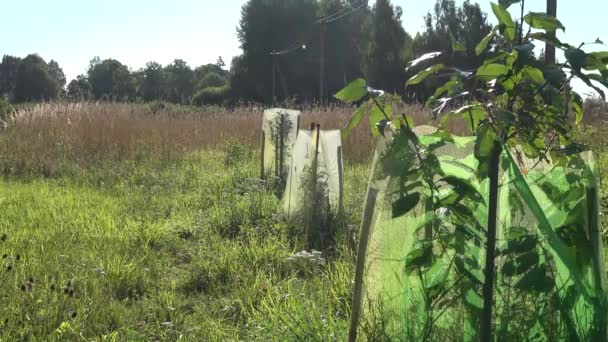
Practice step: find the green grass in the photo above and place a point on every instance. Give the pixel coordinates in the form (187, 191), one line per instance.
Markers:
(145, 250)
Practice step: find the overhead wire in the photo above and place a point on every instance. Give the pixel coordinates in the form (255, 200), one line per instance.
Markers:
(346, 11)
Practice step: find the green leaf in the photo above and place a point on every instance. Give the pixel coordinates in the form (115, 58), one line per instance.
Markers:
(405, 204)
(421, 76)
(354, 121)
(437, 274)
(471, 114)
(491, 71)
(464, 188)
(520, 263)
(507, 3)
(458, 47)
(409, 121)
(473, 299)
(419, 255)
(534, 74)
(543, 21)
(536, 280)
(376, 116)
(544, 37)
(483, 44)
(576, 57)
(353, 92)
(507, 26)
(521, 244)
(577, 108)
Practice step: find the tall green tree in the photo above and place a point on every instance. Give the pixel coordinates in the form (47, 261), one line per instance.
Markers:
(57, 74)
(110, 79)
(179, 81)
(8, 75)
(345, 40)
(455, 31)
(385, 64)
(273, 25)
(79, 89)
(153, 83)
(34, 80)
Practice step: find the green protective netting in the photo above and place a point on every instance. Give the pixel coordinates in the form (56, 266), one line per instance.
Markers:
(544, 212)
(279, 130)
(328, 173)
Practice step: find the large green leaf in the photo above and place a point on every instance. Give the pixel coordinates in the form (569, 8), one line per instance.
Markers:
(376, 115)
(536, 279)
(491, 71)
(534, 74)
(520, 264)
(483, 44)
(577, 108)
(507, 25)
(508, 3)
(576, 57)
(405, 204)
(354, 121)
(464, 188)
(419, 255)
(353, 92)
(546, 38)
(421, 76)
(543, 21)
(437, 274)
(473, 299)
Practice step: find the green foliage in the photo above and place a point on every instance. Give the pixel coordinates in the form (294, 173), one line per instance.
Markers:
(353, 92)
(211, 79)
(212, 95)
(110, 79)
(514, 105)
(5, 109)
(80, 89)
(35, 81)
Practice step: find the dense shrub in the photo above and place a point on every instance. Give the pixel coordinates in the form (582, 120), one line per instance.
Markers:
(212, 95)
(5, 108)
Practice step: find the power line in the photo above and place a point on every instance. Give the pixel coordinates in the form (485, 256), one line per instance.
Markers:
(340, 12)
(344, 12)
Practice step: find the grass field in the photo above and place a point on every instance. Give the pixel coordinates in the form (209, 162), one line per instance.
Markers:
(144, 230)
(123, 222)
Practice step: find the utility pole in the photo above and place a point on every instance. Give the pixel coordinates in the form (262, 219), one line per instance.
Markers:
(274, 78)
(322, 63)
(549, 48)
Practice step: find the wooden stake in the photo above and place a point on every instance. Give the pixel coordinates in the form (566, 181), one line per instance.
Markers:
(488, 286)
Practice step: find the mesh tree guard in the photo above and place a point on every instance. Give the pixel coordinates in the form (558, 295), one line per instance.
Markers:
(550, 282)
(279, 131)
(325, 166)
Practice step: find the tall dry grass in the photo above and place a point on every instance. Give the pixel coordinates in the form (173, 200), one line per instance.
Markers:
(43, 135)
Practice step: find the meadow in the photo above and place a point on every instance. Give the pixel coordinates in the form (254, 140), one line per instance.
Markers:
(149, 222)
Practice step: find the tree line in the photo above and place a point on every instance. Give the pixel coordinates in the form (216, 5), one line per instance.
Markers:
(282, 49)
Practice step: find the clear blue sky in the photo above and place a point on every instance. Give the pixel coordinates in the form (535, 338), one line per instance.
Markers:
(198, 31)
